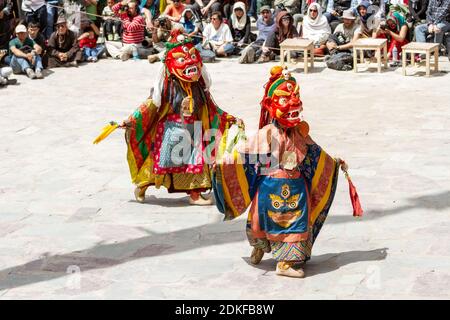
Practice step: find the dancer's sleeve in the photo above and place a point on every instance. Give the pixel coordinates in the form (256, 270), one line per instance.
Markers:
(321, 174)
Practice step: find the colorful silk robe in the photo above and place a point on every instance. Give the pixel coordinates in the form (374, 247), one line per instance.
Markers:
(288, 207)
(148, 137)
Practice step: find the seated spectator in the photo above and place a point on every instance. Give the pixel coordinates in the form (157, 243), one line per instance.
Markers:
(265, 25)
(160, 36)
(315, 27)
(24, 54)
(63, 47)
(418, 9)
(217, 36)
(112, 27)
(6, 23)
(284, 30)
(366, 26)
(38, 38)
(174, 11)
(239, 25)
(396, 31)
(88, 44)
(341, 39)
(150, 11)
(35, 11)
(437, 22)
(377, 8)
(133, 25)
(191, 24)
(5, 72)
(204, 8)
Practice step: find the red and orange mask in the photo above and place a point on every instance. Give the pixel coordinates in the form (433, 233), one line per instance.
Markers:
(282, 99)
(183, 59)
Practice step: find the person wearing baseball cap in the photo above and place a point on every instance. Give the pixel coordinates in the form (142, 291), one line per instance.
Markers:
(24, 54)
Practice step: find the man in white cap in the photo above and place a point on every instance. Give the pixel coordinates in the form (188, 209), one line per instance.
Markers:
(25, 54)
(342, 37)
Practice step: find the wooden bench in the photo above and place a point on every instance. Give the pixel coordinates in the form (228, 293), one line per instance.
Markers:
(373, 45)
(304, 45)
(413, 48)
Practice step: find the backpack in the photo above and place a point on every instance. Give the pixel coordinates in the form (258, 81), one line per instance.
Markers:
(342, 61)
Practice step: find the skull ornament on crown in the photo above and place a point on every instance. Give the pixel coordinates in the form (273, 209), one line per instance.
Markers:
(182, 58)
(282, 98)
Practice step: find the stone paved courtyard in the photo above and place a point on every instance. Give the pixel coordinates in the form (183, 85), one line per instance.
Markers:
(70, 228)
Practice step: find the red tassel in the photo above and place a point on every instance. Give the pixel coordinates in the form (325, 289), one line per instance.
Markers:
(354, 198)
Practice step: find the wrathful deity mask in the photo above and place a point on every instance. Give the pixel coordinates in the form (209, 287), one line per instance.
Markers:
(182, 58)
(282, 99)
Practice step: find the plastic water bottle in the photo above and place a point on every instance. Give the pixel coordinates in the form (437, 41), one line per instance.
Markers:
(135, 54)
(395, 54)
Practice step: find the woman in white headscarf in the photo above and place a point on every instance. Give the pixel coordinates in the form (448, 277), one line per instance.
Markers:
(315, 27)
(239, 24)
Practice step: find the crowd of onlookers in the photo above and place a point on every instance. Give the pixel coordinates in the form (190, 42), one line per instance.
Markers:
(40, 34)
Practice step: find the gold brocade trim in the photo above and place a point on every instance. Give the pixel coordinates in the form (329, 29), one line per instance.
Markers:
(190, 181)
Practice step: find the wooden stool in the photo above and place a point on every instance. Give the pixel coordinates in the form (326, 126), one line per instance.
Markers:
(369, 44)
(298, 45)
(421, 48)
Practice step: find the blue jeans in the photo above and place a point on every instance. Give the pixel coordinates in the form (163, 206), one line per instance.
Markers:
(52, 13)
(421, 32)
(90, 52)
(252, 9)
(330, 17)
(20, 65)
(228, 48)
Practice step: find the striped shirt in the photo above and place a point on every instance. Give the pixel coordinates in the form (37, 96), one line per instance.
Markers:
(133, 28)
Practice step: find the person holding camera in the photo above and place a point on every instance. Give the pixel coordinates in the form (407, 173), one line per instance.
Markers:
(341, 39)
(160, 36)
(133, 25)
(25, 54)
(395, 30)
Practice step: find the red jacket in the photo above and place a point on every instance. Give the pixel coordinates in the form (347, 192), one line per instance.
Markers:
(89, 43)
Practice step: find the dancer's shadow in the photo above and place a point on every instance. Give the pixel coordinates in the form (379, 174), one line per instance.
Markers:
(328, 262)
(165, 202)
(101, 255)
(436, 202)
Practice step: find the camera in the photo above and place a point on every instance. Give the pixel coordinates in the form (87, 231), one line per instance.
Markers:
(281, 7)
(162, 22)
(146, 44)
(123, 9)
